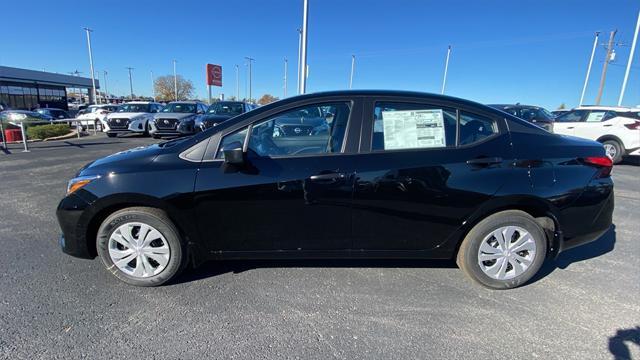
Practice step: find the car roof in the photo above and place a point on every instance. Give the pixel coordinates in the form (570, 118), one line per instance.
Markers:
(58, 109)
(509, 106)
(140, 102)
(186, 102)
(612, 108)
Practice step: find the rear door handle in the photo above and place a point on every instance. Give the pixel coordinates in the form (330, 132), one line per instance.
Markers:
(570, 127)
(327, 178)
(485, 161)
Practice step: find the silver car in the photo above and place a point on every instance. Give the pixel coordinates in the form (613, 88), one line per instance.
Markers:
(178, 118)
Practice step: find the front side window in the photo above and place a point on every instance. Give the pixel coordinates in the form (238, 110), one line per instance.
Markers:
(400, 126)
(315, 129)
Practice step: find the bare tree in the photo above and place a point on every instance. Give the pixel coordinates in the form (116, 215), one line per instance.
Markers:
(165, 91)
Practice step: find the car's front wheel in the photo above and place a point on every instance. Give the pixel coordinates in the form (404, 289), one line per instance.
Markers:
(504, 250)
(141, 246)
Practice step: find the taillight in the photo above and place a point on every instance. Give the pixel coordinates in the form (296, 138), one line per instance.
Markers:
(604, 163)
(633, 126)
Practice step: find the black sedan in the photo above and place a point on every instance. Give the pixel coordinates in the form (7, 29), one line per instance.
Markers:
(387, 175)
(533, 114)
(222, 111)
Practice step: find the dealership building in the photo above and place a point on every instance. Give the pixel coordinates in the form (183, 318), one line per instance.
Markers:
(28, 89)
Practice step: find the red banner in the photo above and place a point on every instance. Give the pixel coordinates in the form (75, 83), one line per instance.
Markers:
(214, 75)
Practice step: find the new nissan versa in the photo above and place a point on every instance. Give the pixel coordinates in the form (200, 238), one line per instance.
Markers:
(178, 118)
(132, 117)
(378, 174)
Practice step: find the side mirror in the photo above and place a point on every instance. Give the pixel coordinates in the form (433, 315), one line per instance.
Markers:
(233, 153)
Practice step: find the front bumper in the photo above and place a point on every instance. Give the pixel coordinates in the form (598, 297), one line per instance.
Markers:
(183, 128)
(74, 223)
(136, 126)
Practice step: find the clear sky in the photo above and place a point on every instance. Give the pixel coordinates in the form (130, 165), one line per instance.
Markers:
(504, 51)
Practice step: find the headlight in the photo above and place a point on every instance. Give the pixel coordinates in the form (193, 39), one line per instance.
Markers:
(17, 116)
(79, 182)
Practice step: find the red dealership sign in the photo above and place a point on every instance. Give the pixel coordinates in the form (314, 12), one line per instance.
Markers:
(214, 75)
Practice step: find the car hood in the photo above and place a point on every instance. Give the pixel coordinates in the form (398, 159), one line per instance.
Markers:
(123, 161)
(124, 115)
(178, 116)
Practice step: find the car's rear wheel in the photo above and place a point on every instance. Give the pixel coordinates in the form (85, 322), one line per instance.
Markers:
(504, 250)
(614, 151)
(141, 246)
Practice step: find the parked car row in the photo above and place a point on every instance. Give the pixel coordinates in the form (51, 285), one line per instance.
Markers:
(617, 128)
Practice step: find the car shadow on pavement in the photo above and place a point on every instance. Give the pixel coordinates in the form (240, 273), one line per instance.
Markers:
(601, 246)
(219, 267)
(213, 268)
(619, 344)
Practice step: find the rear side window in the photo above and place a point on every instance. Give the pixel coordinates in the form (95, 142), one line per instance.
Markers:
(400, 126)
(474, 128)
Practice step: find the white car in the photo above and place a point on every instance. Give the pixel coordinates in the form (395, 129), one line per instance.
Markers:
(617, 128)
(132, 117)
(96, 115)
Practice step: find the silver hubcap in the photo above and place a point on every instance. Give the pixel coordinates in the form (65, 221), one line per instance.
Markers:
(610, 150)
(506, 252)
(139, 250)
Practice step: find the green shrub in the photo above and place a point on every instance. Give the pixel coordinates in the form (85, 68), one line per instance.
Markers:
(47, 131)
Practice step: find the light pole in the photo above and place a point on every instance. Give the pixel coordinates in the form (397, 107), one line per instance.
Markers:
(106, 89)
(353, 67)
(626, 73)
(299, 51)
(249, 60)
(446, 68)
(93, 79)
(303, 52)
(607, 59)
(237, 82)
(153, 87)
(175, 80)
(586, 79)
(130, 82)
(285, 77)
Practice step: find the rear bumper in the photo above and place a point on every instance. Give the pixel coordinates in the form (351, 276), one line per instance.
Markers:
(74, 225)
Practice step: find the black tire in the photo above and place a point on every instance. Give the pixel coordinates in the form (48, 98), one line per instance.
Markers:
(467, 258)
(619, 151)
(146, 129)
(158, 220)
(155, 136)
(111, 135)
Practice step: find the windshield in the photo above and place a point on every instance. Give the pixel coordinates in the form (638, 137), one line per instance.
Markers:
(134, 108)
(180, 108)
(225, 108)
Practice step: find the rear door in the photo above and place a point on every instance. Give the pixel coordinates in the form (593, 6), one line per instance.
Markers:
(424, 168)
(294, 192)
(566, 123)
(594, 124)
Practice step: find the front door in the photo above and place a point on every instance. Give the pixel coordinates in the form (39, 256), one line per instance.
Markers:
(424, 174)
(294, 190)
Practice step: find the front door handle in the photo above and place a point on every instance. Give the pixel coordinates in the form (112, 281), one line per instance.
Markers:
(485, 161)
(607, 125)
(327, 178)
(570, 127)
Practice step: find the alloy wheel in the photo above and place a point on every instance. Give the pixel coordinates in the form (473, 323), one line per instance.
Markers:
(507, 252)
(139, 250)
(610, 150)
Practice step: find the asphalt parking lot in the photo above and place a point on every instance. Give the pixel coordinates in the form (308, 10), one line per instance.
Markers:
(582, 305)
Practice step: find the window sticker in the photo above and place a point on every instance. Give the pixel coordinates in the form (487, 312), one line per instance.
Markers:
(409, 129)
(595, 116)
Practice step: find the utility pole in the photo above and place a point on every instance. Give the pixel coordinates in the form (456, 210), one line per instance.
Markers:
(106, 89)
(604, 67)
(97, 75)
(93, 79)
(446, 69)
(153, 86)
(303, 52)
(249, 60)
(237, 83)
(130, 82)
(586, 79)
(299, 55)
(175, 80)
(353, 66)
(626, 73)
(285, 77)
